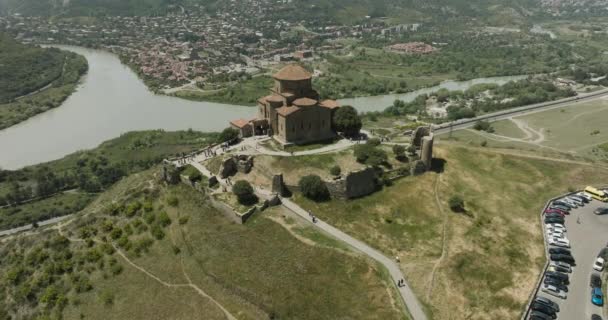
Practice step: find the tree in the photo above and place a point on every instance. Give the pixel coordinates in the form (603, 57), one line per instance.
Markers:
(456, 203)
(244, 192)
(370, 155)
(312, 187)
(399, 151)
(335, 170)
(228, 134)
(347, 121)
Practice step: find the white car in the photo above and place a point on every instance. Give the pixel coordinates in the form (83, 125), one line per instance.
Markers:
(569, 202)
(561, 264)
(556, 235)
(576, 201)
(555, 227)
(552, 290)
(558, 242)
(598, 265)
(584, 195)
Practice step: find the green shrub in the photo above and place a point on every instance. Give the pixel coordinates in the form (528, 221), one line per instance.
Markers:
(335, 170)
(244, 192)
(456, 203)
(228, 134)
(312, 187)
(370, 155)
(374, 142)
(157, 231)
(163, 219)
(173, 201)
(183, 219)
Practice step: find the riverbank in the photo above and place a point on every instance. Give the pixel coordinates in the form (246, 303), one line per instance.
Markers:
(51, 95)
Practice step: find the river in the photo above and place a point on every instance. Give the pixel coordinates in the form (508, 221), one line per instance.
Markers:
(112, 100)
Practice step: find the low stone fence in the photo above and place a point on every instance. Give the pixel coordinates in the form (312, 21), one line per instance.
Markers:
(230, 213)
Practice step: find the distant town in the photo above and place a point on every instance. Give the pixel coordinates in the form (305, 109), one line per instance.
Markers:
(196, 47)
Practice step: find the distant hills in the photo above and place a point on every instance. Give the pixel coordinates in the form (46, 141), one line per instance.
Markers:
(498, 12)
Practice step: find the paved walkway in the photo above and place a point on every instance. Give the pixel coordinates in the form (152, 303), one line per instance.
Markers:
(30, 226)
(413, 305)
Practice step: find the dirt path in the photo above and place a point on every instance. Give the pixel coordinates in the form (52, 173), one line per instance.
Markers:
(529, 131)
(444, 242)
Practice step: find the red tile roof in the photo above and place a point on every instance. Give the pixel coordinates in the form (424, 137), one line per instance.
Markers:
(331, 104)
(305, 102)
(285, 110)
(292, 72)
(239, 123)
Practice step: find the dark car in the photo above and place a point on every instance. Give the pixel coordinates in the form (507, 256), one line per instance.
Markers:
(595, 317)
(558, 220)
(559, 203)
(540, 315)
(595, 281)
(564, 277)
(544, 309)
(601, 210)
(548, 302)
(560, 251)
(563, 257)
(562, 207)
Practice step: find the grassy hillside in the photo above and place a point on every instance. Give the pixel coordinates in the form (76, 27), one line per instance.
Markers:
(86, 173)
(478, 265)
(46, 75)
(143, 250)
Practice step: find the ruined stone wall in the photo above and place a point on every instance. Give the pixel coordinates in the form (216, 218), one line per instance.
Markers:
(354, 184)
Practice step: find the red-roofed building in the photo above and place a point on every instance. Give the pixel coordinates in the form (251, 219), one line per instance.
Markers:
(292, 113)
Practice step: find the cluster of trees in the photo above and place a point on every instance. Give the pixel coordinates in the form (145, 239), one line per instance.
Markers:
(370, 154)
(244, 193)
(314, 188)
(484, 98)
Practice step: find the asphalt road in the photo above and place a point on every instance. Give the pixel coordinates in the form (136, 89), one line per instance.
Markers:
(407, 295)
(586, 240)
(505, 114)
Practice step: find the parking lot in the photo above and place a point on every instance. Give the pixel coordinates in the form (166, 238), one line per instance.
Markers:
(587, 238)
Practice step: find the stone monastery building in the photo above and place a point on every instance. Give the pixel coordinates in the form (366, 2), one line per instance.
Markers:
(292, 113)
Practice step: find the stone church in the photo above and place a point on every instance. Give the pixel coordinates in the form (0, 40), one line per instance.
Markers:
(293, 112)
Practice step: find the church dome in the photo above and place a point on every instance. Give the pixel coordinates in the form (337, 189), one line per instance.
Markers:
(292, 72)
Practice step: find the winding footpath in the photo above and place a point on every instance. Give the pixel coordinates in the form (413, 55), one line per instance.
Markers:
(407, 295)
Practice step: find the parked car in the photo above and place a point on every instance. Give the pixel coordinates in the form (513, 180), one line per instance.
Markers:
(601, 210)
(559, 269)
(555, 211)
(554, 214)
(603, 253)
(563, 203)
(560, 263)
(584, 195)
(562, 276)
(548, 302)
(562, 207)
(595, 281)
(596, 317)
(537, 315)
(552, 290)
(559, 242)
(553, 226)
(560, 251)
(557, 220)
(544, 309)
(597, 298)
(598, 265)
(564, 258)
(574, 200)
(556, 283)
(556, 233)
(580, 198)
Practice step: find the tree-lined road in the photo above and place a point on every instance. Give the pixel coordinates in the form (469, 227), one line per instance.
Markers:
(520, 111)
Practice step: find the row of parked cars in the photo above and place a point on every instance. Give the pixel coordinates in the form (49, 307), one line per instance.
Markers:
(556, 278)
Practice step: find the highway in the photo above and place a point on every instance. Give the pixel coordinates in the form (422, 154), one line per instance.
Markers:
(520, 111)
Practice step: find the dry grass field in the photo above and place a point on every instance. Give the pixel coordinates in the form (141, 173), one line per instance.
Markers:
(481, 264)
